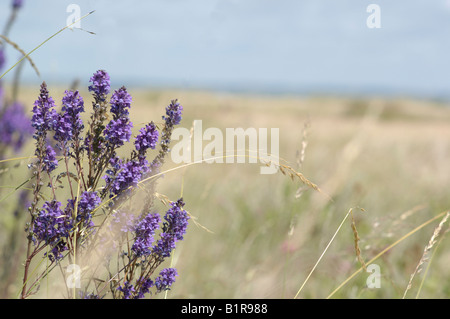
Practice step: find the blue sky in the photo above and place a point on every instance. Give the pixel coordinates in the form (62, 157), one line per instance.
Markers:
(267, 45)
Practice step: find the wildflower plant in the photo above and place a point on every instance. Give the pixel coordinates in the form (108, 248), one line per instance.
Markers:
(81, 210)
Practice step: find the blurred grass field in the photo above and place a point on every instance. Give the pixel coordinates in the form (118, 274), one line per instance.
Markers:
(387, 156)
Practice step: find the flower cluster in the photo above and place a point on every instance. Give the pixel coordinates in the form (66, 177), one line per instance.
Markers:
(118, 130)
(162, 283)
(80, 168)
(173, 113)
(88, 202)
(175, 225)
(52, 227)
(100, 83)
(68, 125)
(144, 287)
(127, 289)
(128, 176)
(49, 161)
(166, 279)
(172, 118)
(144, 231)
(43, 113)
(120, 103)
(147, 138)
(148, 255)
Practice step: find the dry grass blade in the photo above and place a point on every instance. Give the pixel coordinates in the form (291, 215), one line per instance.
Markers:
(429, 262)
(301, 157)
(356, 240)
(426, 251)
(301, 154)
(163, 198)
(293, 174)
(16, 46)
(288, 170)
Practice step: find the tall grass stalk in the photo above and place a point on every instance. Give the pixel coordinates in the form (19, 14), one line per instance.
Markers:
(323, 253)
(419, 290)
(426, 252)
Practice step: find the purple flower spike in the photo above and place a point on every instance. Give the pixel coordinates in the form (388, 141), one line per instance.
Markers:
(69, 124)
(117, 132)
(127, 289)
(43, 112)
(120, 103)
(147, 138)
(145, 230)
(100, 83)
(50, 161)
(166, 279)
(88, 202)
(176, 220)
(52, 227)
(174, 229)
(145, 284)
(129, 176)
(173, 112)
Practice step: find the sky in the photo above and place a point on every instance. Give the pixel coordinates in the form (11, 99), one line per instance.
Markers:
(297, 46)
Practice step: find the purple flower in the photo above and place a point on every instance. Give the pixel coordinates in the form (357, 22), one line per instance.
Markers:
(17, 4)
(69, 124)
(172, 118)
(165, 245)
(145, 230)
(174, 229)
(120, 103)
(176, 220)
(100, 84)
(128, 176)
(147, 138)
(52, 226)
(117, 132)
(88, 202)
(43, 112)
(127, 290)
(14, 126)
(145, 285)
(50, 162)
(166, 279)
(173, 112)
